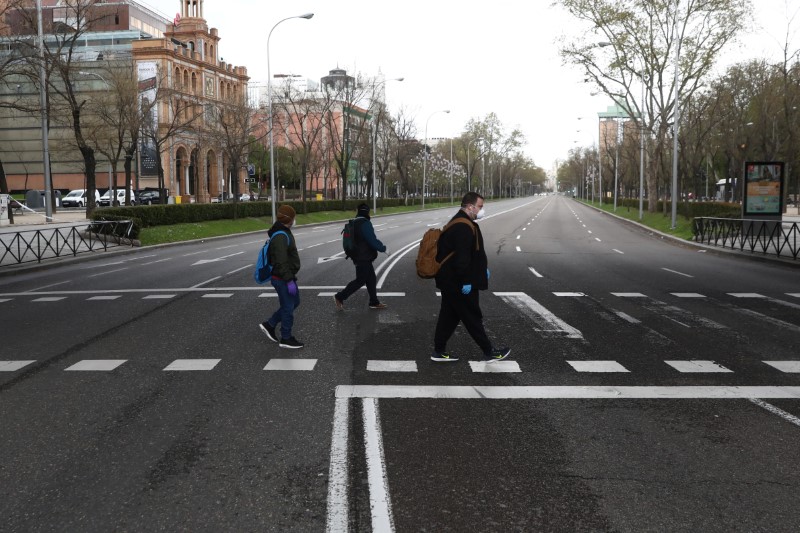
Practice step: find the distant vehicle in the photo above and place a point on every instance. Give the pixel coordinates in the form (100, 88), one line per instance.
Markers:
(119, 198)
(149, 197)
(77, 198)
(246, 197)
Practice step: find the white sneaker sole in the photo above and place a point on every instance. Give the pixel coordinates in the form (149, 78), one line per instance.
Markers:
(266, 332)
(288, 346)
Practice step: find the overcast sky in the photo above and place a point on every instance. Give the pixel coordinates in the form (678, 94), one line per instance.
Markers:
(501, 58)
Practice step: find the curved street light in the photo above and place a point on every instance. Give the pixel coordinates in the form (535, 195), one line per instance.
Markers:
(374, 141)
(269, 103)
(425, 153)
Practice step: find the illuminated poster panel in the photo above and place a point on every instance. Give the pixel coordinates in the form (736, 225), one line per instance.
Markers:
(763, 194)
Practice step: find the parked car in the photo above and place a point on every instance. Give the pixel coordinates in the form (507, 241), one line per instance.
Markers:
(149, 197)
(77, 198)
(119, 198)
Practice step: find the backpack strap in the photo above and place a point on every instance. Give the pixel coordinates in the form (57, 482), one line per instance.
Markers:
(460, 220)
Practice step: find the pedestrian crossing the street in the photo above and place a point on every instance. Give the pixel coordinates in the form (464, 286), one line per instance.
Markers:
(658, 317)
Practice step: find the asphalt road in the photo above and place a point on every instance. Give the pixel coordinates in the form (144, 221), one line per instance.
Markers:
(652, 387)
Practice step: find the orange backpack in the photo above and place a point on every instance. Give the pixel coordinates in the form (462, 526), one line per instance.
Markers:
(427, 265)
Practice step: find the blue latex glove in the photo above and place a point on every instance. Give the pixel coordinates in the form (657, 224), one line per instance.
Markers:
(466, 289)
(292, 287)
(488, 274)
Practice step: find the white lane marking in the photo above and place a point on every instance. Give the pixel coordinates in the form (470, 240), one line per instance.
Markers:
(676, 272)
(495, 367)
(519, 249)
(618, 251)
(687, 295)
(195, 253)
(391, 366)
(380, 502)
(268, 295)
(218, 295)
(238, 269)
(291, 364)
(157, 261)
(546, 322)
(331, 258)
(363, 289)
(397, 256)
(793, 294)
(678, 322)
(697, 366)
(629, 294)
(597, 366)
(158, 297)
(48, 286)
(315, 245)
(99, 365)
(216, 259)
(590, 231)
(533, 271)
(776, 411)
(108, 272)
(627, 317)
(577, 392)
(518, 237)
(192, 364)
(568, 294)
(226, 247)
(104, 298)
(337, 516)
(205, 282)
(392, 227)
(768, 319)
(745, 295)
(790, 367)
(5, 300)
(598, 240)
(13, 366)
(50, 299)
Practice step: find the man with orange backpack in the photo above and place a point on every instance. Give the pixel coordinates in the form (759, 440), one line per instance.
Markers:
(460, 278)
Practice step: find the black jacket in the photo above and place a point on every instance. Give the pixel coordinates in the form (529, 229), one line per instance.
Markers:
(367, 244)
(468, 265)
(283, 256)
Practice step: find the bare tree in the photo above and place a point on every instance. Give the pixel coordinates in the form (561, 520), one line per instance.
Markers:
(631, 42)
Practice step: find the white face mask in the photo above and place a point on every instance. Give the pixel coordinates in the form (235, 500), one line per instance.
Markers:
(480, 214)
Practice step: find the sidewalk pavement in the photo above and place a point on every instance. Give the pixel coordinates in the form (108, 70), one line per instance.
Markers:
(33, 220)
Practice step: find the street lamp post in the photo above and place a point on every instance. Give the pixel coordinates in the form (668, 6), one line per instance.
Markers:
(676, 120)
(374, 142)
(48, 183)
(269, 104)
(425, 154)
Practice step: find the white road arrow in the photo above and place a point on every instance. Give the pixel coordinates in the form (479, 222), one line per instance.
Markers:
(340, 255)
(204, 261)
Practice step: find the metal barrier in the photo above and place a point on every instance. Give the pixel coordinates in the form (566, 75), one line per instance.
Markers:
(57, 241)
(765, 236)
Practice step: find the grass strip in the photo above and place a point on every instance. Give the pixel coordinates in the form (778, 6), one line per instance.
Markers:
(657, 221)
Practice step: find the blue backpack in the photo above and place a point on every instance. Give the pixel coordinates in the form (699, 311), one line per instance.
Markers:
(263, 271)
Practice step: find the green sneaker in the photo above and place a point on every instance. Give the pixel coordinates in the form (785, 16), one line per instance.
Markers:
(497, 354)
(444, 357)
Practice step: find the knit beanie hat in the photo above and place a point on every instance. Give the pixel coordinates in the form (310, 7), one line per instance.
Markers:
(286, 214)
(363, 210)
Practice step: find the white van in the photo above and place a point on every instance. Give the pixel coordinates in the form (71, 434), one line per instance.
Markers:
(77, 198)
(120, 197)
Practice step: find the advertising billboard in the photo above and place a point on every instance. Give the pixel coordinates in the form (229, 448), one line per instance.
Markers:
(147, 76)
(763, 194)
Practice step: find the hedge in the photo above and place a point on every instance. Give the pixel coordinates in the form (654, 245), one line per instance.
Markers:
(690, 209)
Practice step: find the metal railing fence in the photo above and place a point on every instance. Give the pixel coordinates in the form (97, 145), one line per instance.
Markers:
(765, 236)
(31, 245)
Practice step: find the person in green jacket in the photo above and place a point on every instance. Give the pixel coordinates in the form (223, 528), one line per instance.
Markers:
(285, 263)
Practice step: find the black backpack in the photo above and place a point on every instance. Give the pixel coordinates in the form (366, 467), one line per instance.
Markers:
(349, 238)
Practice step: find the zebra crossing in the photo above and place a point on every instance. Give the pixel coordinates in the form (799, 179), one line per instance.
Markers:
(405, 366)
(541, 320)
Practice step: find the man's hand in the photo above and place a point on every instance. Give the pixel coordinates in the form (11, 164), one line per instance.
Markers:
(466, 289)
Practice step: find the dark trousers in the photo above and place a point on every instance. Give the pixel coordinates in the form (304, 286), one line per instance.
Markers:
(365, 275)
(464, 308)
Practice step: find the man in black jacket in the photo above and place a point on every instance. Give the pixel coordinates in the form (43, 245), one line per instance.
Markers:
(460, 279)
(367, 248)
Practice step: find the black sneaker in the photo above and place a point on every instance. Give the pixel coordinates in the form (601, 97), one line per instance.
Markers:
(497, 354)
(444, 357)
(291, 342)
(269, 331)
(378, 305)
